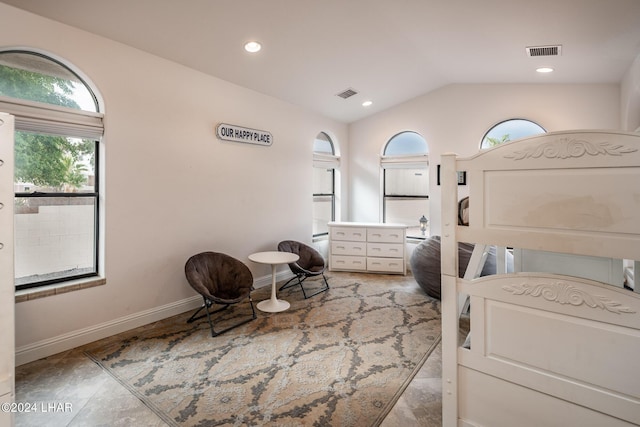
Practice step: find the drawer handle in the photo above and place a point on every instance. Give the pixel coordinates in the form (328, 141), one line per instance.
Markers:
(376, 249)
(357, 234)
(393, 250)
(340, 247)
(357, 262)
(376, 234)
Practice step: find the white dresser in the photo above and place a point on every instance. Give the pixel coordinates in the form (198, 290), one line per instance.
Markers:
(367, 247)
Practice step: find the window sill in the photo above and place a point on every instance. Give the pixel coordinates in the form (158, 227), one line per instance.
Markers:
(59, 288)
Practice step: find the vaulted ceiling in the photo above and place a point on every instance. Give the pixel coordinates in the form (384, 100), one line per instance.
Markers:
(388, 51)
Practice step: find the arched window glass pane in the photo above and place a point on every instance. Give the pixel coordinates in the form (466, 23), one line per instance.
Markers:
(324, 184)
(323, 144)
(34, 77)
(406, 144)
(406, 182)
(510, 130)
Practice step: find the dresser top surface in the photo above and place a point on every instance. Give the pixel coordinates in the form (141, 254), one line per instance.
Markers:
(366, 224)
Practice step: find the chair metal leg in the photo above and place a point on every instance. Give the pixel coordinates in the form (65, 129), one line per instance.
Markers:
(206, 305)
(193, 316)
(326, 287)
(301, 278)
(286, 285)
(208, 314)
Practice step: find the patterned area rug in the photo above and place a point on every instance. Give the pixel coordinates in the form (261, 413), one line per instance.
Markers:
(340, 358)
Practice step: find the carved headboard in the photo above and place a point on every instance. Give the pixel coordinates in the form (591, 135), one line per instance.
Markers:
(572, 192)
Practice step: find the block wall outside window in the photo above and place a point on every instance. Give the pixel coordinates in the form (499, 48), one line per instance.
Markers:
(55, 241)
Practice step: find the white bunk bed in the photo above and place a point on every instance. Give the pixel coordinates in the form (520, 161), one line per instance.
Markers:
(546, 349)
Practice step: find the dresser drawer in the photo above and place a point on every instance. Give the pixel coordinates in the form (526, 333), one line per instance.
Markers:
(390, 235)
(343, 262)
(354, 234)
(386, 265)
(387, 250)
(349, 248)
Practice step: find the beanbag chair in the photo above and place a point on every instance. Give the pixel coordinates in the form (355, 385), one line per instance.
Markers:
(425, 264)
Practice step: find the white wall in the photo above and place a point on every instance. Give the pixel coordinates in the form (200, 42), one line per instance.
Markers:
(172, 188)
(456, 117)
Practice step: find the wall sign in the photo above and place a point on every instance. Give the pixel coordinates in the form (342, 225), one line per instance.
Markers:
(239, 134)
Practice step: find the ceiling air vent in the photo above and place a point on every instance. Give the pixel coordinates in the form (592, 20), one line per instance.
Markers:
(544, 50)
(348, 93)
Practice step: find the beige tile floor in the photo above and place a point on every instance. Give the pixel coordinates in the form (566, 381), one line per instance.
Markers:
(96, 399)
(420, 404)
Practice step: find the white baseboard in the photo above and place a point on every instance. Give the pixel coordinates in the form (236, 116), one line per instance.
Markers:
(64, 342)
(50, 346)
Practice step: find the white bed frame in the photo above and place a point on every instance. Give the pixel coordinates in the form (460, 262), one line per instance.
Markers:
(546, 349)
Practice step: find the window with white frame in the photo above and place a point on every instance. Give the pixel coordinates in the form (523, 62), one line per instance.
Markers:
(510, 130)
(58, 126)
(325, 164)
(405, 169)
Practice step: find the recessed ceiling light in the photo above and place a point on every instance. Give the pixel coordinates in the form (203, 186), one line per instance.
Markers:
(544, 70)
(252, 47)
(367, 103)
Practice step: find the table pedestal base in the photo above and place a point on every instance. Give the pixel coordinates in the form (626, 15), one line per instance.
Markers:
(273, 306)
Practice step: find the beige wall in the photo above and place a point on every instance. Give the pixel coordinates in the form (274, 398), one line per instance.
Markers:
(172, 188)
(456, 117)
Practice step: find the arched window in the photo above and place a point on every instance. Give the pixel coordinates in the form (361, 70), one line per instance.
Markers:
(406, 144)
(323, 144)
(405, 186)
(510, 130)
(325, 165)
(58, 126)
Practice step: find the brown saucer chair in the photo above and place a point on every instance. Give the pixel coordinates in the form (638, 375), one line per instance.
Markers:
(310, 264)
(220, 279)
